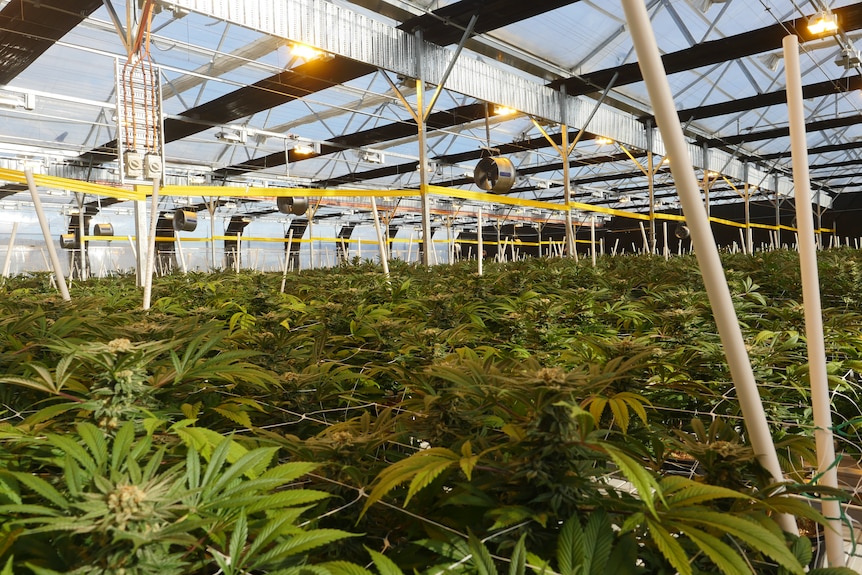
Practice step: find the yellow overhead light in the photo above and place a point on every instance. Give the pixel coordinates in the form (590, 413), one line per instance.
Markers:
(305, 149)
(305, 51)
(504, 111)
(603, 141)
(824, 22)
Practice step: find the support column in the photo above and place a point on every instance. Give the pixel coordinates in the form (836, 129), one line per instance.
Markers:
(651, 188)
(826, 463)
(46, 232)
(151, 245)
(82, 231)
(141, 241)
(381, 241)
(703, 240)
(777, 216)
(567, 185)
(480, 240)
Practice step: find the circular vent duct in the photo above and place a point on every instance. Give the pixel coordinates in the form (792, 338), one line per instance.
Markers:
(185, 220)
(295, 206)
(69, 242)
(103, 230)
(494, 174)
(682, 231)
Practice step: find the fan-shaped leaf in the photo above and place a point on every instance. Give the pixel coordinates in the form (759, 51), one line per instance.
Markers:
(481, 556)
(429, 462)
(385, 565)
(41, 487)
(669, 547)
(434, 466)
(637, 475)
(682, 491)
(598, 542)
(300, 543)
(723, 555)
(571, 547)
(518, 560)
(755, 535)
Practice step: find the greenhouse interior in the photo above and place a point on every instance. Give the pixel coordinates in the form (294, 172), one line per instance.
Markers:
(371, 287)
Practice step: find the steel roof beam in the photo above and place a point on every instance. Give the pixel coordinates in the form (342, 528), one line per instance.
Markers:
(773, 133)
(446, 25)
(305, 79)
(28, 29)
(369, 137)
(712, 52)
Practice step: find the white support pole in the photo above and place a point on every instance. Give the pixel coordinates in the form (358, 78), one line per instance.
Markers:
(480, 247)
(179, 246)
(665, 249)
(141, 243)
(703, 241)
(236, 266)
(151, 245)
(286, 261)
(593, 238)
(289, 252)
(132, 245)
(381, 241)
(310, 244)
(410, 246)
(46, 231)
(742, 241)
(211, 209)
(807, 245)
(8, 261)
(643, 234)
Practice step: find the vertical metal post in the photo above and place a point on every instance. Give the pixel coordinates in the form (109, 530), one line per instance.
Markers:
(777, 215)
(141, 241)
(151, 245)
(593, 239)
(567, 190)
(286, 260)
(211, 208)
(666, 250)
(423, 151)
(310, 216)
(749, 242)
(651, 188)
(819, 235)
(480, 240)
(82, 231)
(179, 246)
(381, 241)
(8, 261)
(826, 468)
(703, 240)
(46, 232)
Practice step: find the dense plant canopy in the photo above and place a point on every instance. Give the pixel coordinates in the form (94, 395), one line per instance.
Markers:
(546, 415)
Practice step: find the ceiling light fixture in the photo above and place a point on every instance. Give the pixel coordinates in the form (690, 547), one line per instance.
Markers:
(824, 22)
(848, 58)
(504, 111)
(372, 156)
(306, 52)
(306, 149)
(26, 101)
(603, 141)
(232, 136)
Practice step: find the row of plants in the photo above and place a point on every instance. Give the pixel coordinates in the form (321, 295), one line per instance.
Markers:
(548, 415)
